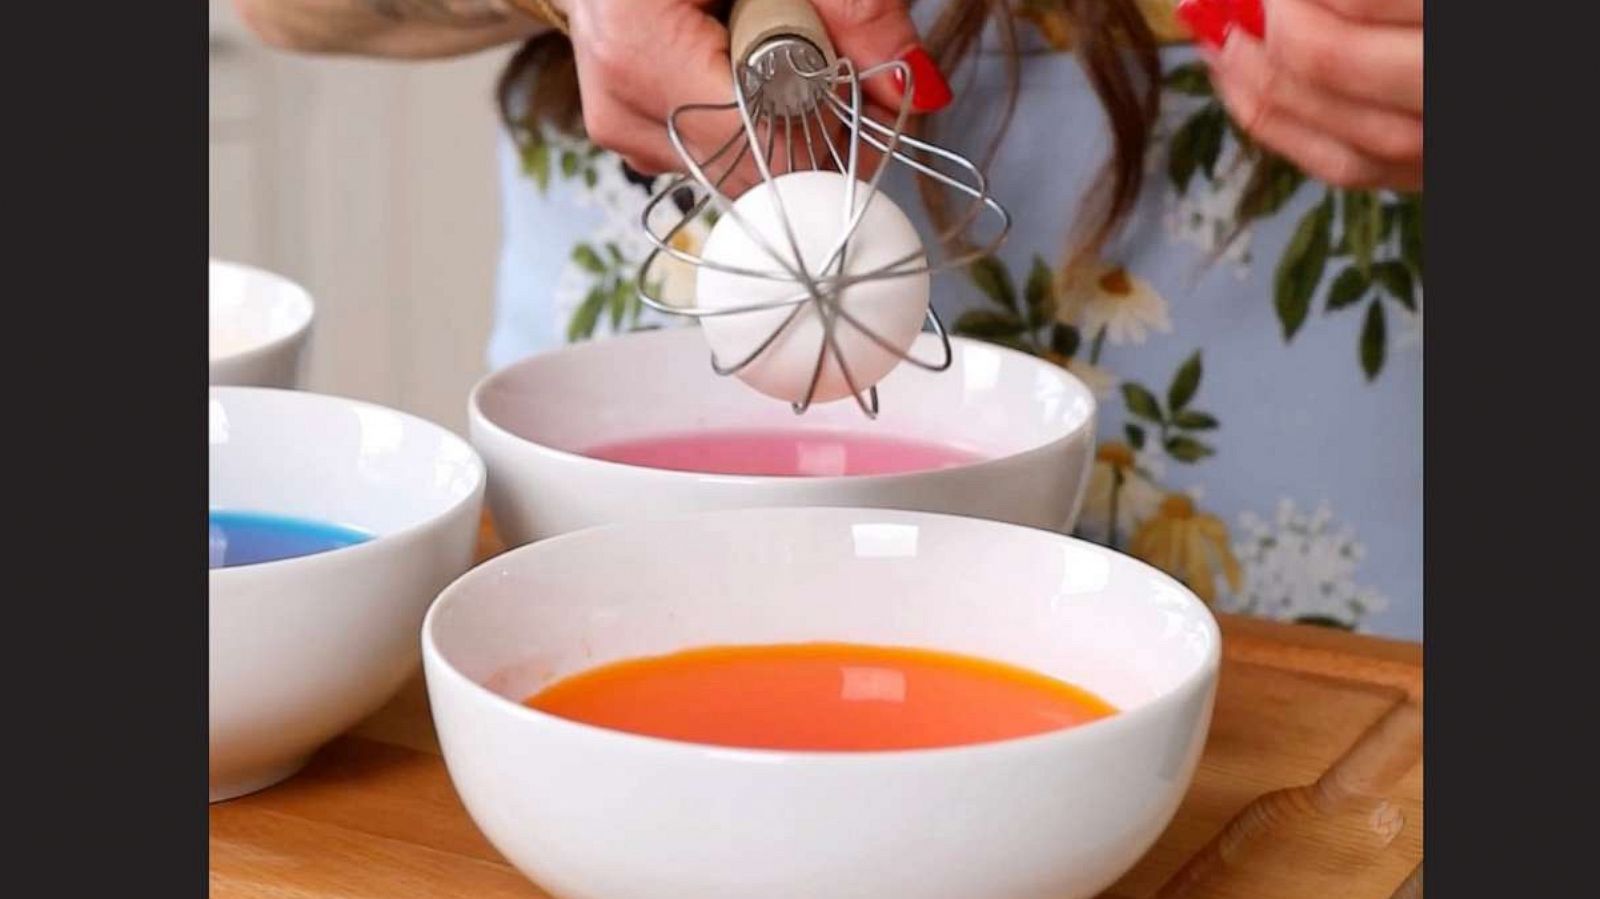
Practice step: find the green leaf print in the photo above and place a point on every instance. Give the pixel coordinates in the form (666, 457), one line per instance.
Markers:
(1395, 278)
(1374, 342)
(1183, 155)
(1411, 233)
(1208, 141)
(1142, 402)
(1065, 340)
(1187, 449)
(583, 321)
(1040, 294)
(584, 255)
(1374, 229)
(1190, 420)
(621, 295)
(1013, 343)
(1170, 425)
(1363, 221)
(1348, 288)
(536, 162)
(992, 278)
(987, 324)
(1190, 79)
(1300, 269)
(1324, 621)
(1184, 383)
(1282, 182)
(569, 163)
(1372, 239)
(1135, 435)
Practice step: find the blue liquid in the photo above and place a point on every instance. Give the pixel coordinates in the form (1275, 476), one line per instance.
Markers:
(245, 538)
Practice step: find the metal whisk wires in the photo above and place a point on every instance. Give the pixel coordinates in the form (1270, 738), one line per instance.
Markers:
(787, 87)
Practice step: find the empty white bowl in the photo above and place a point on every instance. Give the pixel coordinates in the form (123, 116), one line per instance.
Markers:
(591, 813)
(533, 420)
(260, 323)
(303, 648)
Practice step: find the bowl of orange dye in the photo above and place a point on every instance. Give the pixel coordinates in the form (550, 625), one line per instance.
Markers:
(820, 702)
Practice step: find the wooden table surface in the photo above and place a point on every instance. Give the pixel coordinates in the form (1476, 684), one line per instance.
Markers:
(1310, 786)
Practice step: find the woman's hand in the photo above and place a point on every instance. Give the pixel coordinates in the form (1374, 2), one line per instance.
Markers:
(638, 59)
(1335, 86)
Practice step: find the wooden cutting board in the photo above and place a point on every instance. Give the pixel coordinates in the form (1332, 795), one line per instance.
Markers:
(1310, 786)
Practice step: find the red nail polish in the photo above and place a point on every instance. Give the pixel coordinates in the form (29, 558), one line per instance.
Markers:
(1208, 20)
(1248, 14)
(929, 91)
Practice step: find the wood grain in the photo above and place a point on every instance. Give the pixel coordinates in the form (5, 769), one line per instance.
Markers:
(1310, 786)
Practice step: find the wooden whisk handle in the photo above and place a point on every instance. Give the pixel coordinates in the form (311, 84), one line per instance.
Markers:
(753, 22)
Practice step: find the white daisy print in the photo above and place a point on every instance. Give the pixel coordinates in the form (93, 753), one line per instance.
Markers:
(1203, 216)
(675, 278)
(1301, 565)
(1108, 297)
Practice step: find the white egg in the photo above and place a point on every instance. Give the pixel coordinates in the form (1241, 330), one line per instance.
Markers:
(892, 308)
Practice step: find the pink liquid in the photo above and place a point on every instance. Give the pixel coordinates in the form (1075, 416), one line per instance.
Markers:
(784, 453)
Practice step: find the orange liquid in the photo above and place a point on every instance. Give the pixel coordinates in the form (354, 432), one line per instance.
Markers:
(820, 696)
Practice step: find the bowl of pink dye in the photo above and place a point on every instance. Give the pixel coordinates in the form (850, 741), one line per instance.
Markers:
(639, 426)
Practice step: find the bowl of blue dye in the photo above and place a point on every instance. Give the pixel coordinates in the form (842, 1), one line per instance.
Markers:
(333, 524)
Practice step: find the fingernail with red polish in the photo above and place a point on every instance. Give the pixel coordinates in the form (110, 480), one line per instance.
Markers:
(929, 91)
(1248, 14)
(1208, 20)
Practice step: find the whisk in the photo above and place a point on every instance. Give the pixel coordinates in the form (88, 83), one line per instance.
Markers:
(790, 86)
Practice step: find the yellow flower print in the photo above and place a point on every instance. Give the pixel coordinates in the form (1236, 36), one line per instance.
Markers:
(1055, 23)
(1117, 489)
(1106, 299)
(1189, 545)
(677, 278)
(1162, 17)
(1052, 20)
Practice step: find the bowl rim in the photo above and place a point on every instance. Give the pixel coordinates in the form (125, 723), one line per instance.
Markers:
(302, 297)
(378, 542)
(1202, 678)
(478, 418)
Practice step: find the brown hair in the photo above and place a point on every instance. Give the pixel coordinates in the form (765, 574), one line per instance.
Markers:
(539, 88)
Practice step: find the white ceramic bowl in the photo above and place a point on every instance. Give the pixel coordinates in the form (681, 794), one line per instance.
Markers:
(532, 420)
(303, 648)
(260, 323)
(590, 813)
